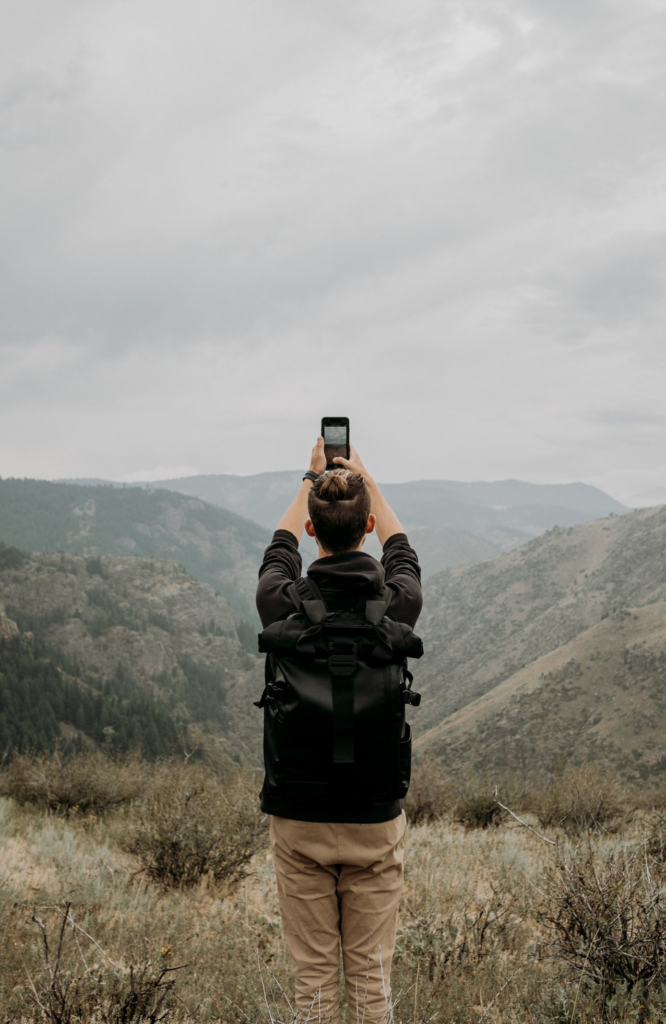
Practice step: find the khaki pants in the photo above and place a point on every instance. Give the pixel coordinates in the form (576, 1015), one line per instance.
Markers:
(340, 884)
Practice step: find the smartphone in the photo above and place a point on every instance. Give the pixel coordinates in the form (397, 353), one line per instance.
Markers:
(335, 431)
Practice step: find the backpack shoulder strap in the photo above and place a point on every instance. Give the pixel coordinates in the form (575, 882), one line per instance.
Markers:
(305, 594)
(376, 608)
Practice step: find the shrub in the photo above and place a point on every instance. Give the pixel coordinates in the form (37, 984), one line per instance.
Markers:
(580, 799)
(429, 796)
(605, 913)
(88, 782)
(436, 939)
(69, 988)
(192, 823)
(475, 805)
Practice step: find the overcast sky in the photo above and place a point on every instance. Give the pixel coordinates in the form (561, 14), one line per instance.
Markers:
(223, 219)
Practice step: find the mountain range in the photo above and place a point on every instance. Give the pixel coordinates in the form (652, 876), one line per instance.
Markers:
(450, 523)
(550, 653)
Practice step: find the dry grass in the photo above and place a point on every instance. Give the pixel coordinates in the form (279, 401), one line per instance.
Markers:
(474, 943)
(86, 783)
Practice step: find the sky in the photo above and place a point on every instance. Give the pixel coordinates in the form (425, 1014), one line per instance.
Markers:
(444, 219)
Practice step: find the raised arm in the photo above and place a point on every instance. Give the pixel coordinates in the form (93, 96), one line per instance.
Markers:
(282, 560)
(400, 562)
(295, 516)
(387, 523)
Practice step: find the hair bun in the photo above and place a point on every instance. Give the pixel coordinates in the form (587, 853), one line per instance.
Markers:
(333, 486)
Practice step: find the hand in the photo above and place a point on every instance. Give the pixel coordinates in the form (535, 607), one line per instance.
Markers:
(354, 463)
(318, 458)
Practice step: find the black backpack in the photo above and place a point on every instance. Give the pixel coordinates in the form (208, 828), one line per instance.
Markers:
(337, 684)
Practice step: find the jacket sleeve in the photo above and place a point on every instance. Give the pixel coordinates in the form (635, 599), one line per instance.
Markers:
(403, 576)
(282, 565)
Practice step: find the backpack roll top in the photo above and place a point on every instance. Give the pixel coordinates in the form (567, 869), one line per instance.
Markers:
(298, 636)
(337, 685)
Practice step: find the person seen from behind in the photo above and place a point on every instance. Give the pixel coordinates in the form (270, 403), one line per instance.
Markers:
(336, 745)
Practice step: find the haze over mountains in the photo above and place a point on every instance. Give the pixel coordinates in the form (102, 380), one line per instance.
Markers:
(450, 523)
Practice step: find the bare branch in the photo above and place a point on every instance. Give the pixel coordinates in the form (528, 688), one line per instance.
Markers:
(60, 939)
(42, 927)
(520, 821)
(32, 986)
(498, 994)
(95, 943)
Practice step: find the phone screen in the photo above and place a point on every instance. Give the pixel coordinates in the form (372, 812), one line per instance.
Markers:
(336, 441)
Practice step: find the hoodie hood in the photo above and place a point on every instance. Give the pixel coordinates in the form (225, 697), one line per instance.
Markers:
(351, 569)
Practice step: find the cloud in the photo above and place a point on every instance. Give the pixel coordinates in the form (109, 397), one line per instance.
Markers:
(443, 219)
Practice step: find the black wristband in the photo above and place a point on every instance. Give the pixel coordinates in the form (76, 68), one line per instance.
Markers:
(311, 475)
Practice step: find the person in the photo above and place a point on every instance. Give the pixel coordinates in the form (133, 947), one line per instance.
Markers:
(339, 867)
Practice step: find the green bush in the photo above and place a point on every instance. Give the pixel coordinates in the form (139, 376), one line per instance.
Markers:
(191, 824)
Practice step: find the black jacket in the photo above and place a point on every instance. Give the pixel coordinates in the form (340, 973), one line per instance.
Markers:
(341, 579)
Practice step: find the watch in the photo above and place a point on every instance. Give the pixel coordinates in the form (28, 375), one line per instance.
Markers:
(311, 475)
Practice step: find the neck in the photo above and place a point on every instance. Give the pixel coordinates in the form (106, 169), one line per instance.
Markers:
(322, 553)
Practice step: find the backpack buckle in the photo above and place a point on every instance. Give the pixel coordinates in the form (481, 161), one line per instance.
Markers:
(411, 697)
(342, 658)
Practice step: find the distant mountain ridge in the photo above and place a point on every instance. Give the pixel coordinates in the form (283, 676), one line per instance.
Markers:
(450, 523)
(217, 546)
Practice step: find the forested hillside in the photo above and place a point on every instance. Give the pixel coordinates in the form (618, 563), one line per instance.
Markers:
(121, 652)
(216, 546)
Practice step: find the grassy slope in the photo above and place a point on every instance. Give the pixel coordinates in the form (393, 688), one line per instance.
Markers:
(534, 657)
(470, 939)
(233, 944)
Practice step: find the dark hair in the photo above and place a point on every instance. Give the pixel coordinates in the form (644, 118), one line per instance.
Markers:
(339, 506)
